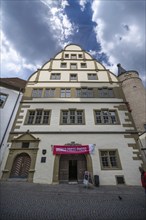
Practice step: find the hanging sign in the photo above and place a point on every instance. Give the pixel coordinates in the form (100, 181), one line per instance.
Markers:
(75, 149)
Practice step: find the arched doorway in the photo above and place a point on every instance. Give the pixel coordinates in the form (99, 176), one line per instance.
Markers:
(72, 168)
(21, 166)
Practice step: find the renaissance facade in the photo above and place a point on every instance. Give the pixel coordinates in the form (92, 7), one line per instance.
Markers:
(73, 117)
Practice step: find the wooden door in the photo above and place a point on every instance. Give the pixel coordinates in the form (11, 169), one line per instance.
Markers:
(21, 166)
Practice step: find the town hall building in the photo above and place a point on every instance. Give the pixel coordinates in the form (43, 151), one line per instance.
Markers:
(73, 118)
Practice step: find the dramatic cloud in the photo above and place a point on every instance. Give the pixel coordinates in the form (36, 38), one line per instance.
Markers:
(120, 30)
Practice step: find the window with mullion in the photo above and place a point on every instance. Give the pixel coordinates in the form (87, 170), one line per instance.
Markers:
(38, 117)
(50, 92)
(84, 92)
(37, 93)
(105, 92)
(105, 117)
(65, 93)
(109, 159)
(72, 117)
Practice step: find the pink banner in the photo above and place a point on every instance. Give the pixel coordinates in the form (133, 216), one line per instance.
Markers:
(64, 149)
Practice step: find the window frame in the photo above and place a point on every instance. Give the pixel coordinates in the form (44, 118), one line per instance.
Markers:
(105, 92)
(109, 159)
(70, 116)
(73, 56)
(4, 102)
(93, 76)
(37, 94)
(105, 117)
(38, 117)
(84, 92)
(51, 93)
(73, 64)
(57, 76)
(83, 65)
(65, 92)
(63, 65)
(75, 78)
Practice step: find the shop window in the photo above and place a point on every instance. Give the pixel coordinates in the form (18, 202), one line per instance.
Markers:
(72, 117)
(3, 98)
(109, 159)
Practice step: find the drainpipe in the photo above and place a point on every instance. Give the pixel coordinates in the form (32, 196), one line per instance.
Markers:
(10, 119)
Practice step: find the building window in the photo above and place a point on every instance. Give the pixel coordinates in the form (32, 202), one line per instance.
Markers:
(73, 65)
(38, 117)
(50, 92)
(120, 179)
(92, 76)
(80, 56)
(72, 117)
(105, 117)
(63, 65)
(66, 55)
(84, 92)
(109, 159)
(3, 98)
(55, 76)
(73, 76)
(65, 93)
(73, 56)
(105, 92)
(37, 93)
(25, 144)
(83, 65)
(43, 159)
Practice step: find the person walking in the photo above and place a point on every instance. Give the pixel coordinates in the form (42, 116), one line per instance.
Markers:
(143, 178)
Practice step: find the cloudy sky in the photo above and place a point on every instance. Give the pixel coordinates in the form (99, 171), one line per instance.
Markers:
(33, 31)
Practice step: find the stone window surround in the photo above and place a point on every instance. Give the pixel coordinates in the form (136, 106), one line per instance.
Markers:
(72, 109)
(5, 99)
(119, 167)
(27, 116)
(109, 110)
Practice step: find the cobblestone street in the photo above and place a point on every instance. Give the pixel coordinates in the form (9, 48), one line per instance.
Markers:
(24, 201)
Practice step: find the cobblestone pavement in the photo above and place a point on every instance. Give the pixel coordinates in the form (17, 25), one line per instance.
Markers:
(29, 201)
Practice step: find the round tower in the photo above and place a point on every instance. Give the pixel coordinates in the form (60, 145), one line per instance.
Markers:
(135, 95)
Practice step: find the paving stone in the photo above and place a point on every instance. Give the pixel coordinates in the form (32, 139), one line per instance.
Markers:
(20, 201)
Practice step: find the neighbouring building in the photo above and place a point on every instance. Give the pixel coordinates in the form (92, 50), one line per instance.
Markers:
(73, 117)
(11, 91)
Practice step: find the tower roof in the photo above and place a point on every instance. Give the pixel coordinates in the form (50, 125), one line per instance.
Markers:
(120, 69)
